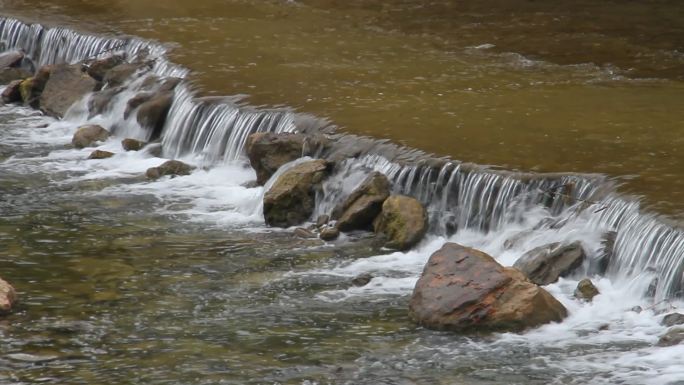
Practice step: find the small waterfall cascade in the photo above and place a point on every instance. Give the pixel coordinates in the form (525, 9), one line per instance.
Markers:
(458, 196)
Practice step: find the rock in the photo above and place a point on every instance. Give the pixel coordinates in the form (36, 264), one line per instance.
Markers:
(136, 101)
(545, 264)
(268, 151)
(250, 184)
(120, 74)
(463, 289)
(8, 297)
(403, 220)
(171, 167)
(12, 93)
(97, 69)
(129, 144)
(11, 59)
(304, 233)
(152, 113)
(363, 205)
(362, 279)
(586, 290)
(66, 85)
(322, 220)
(100, 154)
(31, 358)
(674, 336)
(673, 319)
(605, 254)
(329, 233)
(154, 149)
(637, 309)
(8, 75)
(32, 87)
(100, 101)
(291, 199)
(86, 136)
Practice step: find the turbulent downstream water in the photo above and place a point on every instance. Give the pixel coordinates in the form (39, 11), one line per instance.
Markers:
(178, 281)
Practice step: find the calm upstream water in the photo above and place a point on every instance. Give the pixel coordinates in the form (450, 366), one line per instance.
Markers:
(178, 281)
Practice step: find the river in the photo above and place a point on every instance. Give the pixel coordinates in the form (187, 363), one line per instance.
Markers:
(179, 282)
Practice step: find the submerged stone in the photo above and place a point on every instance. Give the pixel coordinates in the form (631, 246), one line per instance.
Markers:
(673, 319)
(87, 136)
(304, 233)
(545, 264)
(100, 154)
(362, 279)
(463, 289)
(674, 336)
(403, 220)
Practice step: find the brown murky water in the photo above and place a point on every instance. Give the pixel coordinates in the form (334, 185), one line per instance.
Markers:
(552, 86)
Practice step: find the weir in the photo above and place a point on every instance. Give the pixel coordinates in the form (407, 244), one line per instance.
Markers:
(458, 195)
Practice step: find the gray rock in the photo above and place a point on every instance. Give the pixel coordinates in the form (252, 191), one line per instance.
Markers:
(672, 337)
(10, 59)
(545, 264)
(87, 136)
(172, 168)
(403, 220)
(67, 85)
(322, 220)
(125, 72)
(362, 279)
(291, 199)
(100, 101)
(673, 319)
(363, 205)
(301, 232)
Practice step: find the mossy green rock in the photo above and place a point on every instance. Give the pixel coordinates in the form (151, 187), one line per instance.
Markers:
(403, 221)
(291, 199)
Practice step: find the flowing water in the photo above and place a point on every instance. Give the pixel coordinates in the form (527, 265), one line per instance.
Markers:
(178, 281)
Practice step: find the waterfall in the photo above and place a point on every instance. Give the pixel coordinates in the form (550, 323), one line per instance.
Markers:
(457, 195)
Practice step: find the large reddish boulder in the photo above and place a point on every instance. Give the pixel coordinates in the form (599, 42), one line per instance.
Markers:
(8, 297)
(463, 289)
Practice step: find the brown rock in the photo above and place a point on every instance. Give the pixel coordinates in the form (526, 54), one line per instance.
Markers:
(268, 151)
(291, 199)
(129, 144)
(66, 85)
(100, 154)
(403, 220)
(673, 319)
(463, 289)
(674, 336)
(301, 232)
(545, 264)
(11, 59)
(87, 136)
(99, 68)
(362, 279)
(122, 73)
(8, 297)
(322, 220)
(586, 290)
(329, 233)
(152, 113)
(171, 167)
(12, 93)
(8, 75)
(364, 204)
